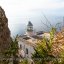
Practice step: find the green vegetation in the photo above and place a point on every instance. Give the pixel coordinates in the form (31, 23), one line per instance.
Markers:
(24, 61)
(44, 53)
(12, 52)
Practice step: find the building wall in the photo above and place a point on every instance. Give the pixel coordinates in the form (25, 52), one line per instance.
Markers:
(30, 33)
(24, 47)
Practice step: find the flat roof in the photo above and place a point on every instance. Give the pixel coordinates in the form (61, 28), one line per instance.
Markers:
(26, 38)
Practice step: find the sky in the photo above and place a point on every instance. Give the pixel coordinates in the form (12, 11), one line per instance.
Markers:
(19, 12)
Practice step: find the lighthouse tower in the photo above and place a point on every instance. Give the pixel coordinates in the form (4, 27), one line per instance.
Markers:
(29, 31)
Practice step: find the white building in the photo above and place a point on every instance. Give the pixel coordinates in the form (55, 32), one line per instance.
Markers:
(28, 41)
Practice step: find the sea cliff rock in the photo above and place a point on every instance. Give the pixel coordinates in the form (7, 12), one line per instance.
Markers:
(5, 38)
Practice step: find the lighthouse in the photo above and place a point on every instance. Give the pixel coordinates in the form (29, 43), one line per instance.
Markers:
(29, 31)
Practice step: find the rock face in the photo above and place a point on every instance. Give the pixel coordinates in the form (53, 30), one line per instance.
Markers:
(5, 38)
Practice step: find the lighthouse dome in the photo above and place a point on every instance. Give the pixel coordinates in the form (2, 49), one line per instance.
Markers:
(30, 24)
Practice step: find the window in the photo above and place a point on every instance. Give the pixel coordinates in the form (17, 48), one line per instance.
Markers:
(20, 46)
(26, 51)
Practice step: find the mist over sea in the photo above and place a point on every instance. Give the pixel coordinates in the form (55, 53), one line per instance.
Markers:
(40, 24)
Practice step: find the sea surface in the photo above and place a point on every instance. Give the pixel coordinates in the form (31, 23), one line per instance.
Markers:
(39, 24)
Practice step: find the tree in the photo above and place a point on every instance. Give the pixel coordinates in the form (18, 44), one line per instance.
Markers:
(50, 51)
(43, 50)
(13, 51)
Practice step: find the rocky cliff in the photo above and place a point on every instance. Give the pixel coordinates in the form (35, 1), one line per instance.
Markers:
(5, 38)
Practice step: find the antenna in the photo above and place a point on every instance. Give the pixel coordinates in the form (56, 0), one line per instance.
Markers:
(45, 24)
(58, 26)
(44, 28)
(47, 20)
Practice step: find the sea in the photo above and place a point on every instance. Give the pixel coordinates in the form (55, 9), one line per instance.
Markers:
(39, 24)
